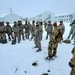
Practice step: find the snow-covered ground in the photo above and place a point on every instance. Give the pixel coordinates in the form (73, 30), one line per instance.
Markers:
(17, 59)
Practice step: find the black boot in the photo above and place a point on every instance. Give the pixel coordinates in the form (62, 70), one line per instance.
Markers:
(38, 50)
(13, 42)
(49, 57)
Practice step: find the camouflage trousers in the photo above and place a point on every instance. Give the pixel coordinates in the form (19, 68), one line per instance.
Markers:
(16, 35)
(2, 36)
(21, 33)
(52, 48)
(72, 72)
(37, 42)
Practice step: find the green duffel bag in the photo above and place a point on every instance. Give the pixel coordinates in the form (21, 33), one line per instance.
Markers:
(67, 41)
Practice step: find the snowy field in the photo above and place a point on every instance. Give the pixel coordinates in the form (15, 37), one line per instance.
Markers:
(17, 59)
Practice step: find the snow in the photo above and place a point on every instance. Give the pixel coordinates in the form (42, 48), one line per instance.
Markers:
(17, 59)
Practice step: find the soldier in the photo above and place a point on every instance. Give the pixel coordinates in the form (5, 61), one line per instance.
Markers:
(41, 30)
(21, 32)
(72, 62)
(15, 30)
(27, 29)
(9, 31)
(37, 39)
(45, 24)
(73, 35)
(49, 29)
(72, 28)
(62, 27)
(53, 44)
(2, 34)
(32, 29)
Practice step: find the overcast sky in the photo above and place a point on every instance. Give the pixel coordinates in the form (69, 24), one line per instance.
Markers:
(30, 8)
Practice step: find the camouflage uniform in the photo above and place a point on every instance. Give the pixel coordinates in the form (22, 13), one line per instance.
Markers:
(15, 30)
(73, 35)
(27, 30)
(53, 44)
(45, 24)
(2, 34)
(37, 39)
(62, 27)
(21, 32)
(9, 31)
(41, 30)
(49, 29)
(72, 62)
(32, 27)
(72, 28)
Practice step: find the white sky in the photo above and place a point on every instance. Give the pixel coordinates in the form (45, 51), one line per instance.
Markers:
(30, 8)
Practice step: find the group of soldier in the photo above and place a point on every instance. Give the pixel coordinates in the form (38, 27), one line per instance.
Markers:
(18, 30)
(23, 31)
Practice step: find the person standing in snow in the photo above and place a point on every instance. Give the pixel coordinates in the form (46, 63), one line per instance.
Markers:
(2, 34)
(49, 29)
(72, 28)
(15, 30)
(73, 36)
(32, 27)
(53, 43)
(9, 30)
(27, 29)
(62, 27)
(21, 32)
(37, 39)
(72, 62)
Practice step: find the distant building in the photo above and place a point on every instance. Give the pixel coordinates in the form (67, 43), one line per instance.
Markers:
(46, 16)
(11, 17)
(65, 17)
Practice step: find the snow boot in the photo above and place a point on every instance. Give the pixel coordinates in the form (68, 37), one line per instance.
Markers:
(13, 42)
(38, 50)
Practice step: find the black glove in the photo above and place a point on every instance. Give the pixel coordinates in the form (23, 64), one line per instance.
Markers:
(71, 65)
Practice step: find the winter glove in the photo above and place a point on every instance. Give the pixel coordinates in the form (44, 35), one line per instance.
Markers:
(71, 65)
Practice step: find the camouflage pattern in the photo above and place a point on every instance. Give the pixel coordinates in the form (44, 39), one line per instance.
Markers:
(37, 39)
(45, 24)
(53, 44)
(27, 30)
(21, 32)
(32, 27)
(67, 41)
(40, 30)
(9, 31)
(15, 30)
(62, 27)
(2, 34)
(72, 65)
(71, 30)
(49, 29)
(72, 62)
(73, 51)
(73, 34)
